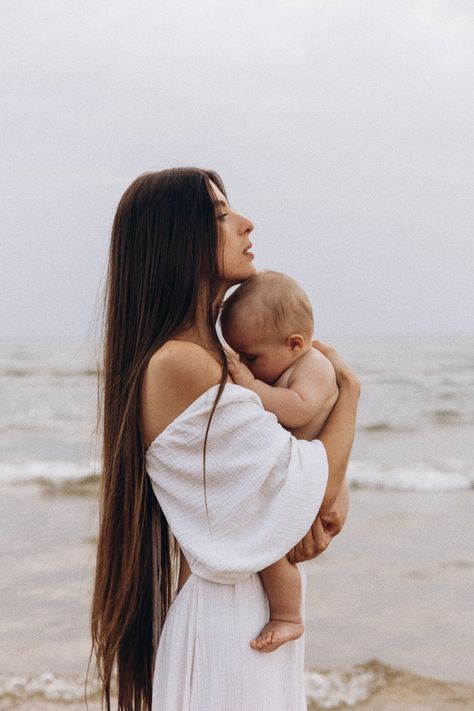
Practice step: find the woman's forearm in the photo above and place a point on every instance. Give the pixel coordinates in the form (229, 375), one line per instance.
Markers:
(340, 507)
(337, 436)
(327, 524)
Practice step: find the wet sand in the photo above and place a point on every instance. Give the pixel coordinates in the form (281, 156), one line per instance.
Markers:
(396, 587)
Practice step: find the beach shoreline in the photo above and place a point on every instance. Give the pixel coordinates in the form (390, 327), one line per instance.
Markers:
(412, 616)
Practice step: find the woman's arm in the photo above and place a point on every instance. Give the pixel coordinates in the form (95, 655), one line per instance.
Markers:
(334, 519)
(337, 435)
(325, 526)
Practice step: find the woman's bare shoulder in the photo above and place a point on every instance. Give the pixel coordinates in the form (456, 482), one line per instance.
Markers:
(177, 374)
(184, 360)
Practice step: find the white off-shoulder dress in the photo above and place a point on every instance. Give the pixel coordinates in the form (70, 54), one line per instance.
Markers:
(263, 488)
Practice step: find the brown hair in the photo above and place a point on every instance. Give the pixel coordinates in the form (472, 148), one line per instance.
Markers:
(162, 260)
(275, 304)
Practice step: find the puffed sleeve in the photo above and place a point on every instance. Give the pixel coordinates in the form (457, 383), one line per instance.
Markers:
(263, 486)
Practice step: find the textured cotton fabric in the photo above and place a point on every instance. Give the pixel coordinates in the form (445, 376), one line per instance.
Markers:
(263, 488)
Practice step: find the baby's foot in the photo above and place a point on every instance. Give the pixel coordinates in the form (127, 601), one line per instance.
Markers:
(275, 633)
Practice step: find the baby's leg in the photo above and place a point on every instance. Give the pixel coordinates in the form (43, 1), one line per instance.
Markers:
(282, 584)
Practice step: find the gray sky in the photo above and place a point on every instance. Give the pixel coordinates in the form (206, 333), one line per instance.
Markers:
(343, 129)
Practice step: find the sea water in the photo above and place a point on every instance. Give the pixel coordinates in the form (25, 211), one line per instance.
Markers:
(415, 426)
(414, 434)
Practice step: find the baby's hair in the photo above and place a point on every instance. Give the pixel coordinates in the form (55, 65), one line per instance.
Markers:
(276, 305)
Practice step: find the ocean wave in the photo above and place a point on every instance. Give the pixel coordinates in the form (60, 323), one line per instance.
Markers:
(416, 477)
(46, 372)
(73, 477)
(374, 686)
(384, 426)
(439, 416)
(380, 378)
(46, 686)
(448, 416)
(335, 688)
(48, 471)
(327, 689)
(419, 380)
(370, 686)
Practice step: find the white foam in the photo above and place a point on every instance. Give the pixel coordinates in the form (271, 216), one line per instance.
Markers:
(46, 686)
(364, 475)
(54, 471)
(329, 689)
(415, 477)
(332, 688)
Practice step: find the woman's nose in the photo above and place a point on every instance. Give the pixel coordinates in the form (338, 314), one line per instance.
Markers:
(248, 225)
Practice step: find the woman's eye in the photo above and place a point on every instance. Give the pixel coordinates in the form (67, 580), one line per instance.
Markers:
(222, 215)
(250, 359)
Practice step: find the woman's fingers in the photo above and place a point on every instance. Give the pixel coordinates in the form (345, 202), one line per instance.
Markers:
(342, 370)
(320, 538)
(331, 354)
(311, 545)
(321, 346)
(331, 522)
(327, 350)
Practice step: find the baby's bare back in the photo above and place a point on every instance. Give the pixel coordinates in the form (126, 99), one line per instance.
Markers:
(314, 365)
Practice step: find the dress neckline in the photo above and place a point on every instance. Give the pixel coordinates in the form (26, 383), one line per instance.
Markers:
(194, 403)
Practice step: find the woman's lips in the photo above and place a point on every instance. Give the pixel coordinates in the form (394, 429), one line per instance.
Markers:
(247, 251)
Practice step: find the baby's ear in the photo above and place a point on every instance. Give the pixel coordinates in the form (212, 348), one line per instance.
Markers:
(295, 342)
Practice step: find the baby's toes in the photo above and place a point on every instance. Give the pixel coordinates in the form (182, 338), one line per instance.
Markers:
(267, 638)
(276, 637)
(255, 643)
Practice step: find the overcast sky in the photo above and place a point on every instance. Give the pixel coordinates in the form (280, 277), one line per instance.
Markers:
(343, 129)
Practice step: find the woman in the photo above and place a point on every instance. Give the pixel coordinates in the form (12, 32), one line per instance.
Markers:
(194, 470)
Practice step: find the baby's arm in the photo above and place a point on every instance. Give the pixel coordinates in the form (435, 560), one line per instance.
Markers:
(331, 518)
(311, 389)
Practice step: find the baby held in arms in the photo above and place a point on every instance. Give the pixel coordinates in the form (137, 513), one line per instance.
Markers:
(268, 322)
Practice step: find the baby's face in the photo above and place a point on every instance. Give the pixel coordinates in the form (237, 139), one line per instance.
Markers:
(267, 358)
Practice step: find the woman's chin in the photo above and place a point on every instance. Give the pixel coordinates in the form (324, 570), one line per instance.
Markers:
(245, 274)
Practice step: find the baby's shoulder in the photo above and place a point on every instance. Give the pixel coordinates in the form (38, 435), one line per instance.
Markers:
(313, 365)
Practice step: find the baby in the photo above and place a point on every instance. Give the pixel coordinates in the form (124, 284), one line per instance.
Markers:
(268, 322)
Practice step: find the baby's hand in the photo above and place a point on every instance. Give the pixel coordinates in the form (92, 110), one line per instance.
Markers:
(238, 371)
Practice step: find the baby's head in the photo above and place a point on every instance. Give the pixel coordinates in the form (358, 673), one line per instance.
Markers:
(268, 321)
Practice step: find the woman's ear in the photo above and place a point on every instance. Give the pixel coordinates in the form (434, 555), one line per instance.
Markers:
(295, 343)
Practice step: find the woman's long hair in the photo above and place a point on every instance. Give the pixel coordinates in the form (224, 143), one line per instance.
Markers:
(162, 264)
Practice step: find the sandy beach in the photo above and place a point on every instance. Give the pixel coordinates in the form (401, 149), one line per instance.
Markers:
(397, 585)
(389, 617)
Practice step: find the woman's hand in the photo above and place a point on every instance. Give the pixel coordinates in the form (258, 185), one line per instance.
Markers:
(331, 523)
(238, 371)
(327, 525)
(317, 539)
(344, 374)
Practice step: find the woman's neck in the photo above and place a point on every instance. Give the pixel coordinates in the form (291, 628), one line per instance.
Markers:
(199, 332)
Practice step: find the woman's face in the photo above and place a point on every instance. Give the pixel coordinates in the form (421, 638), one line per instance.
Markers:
(234, 260)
